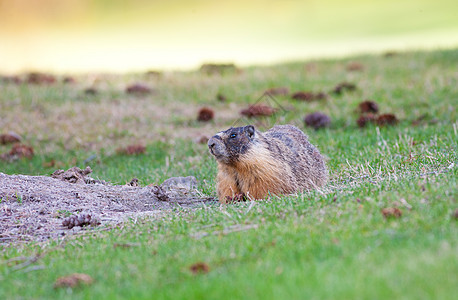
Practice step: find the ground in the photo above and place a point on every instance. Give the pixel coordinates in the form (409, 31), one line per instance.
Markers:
(384, 226)
(35, 207)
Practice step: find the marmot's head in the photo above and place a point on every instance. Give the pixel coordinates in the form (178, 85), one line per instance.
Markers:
(227, 146)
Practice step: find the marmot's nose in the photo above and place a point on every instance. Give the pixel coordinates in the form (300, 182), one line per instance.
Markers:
(211, 144)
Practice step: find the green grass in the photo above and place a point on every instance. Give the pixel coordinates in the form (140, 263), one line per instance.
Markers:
(333, 244)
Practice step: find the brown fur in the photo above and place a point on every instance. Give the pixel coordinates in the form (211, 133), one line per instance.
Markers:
(279, 161)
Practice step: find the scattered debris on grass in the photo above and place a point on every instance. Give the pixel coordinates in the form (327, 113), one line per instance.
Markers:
(227, 230)
(73, 175)
(91, 91)
(240, 197)
(258, 110)
(9, 138)
(205, 114)
(355, 66)
(133, 182)
(308, 96)
(391, 212)
(387, 119)
(80, 220)
(390, 54)
(211, 69)
(154, 73)
(125, 245)
(366, 119)
(73, 280)
(342, 87)
(221, 98)
(368, 106)
(69, 80)
(419, 120)
(40, 78)
(317, 120)
(11, 79)
(199, 267)
(278, 91)
(455, 214)
(18, 151)
(134, 149)
(138, 89)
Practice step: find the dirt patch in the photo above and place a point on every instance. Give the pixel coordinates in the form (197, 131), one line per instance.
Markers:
(33, 208)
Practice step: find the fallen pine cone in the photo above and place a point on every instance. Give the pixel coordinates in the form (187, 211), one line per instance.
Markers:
(9, 138)
(18, 151)
(160, 193)
(366, 119)
(221, 98)
(391, 212)
(355, 66)
(258, 110)
(278, 91)
(80, 220)
(368, 106)
(73, 280)
(205, 114)
(138, 89)
(308, 96)
(387, 119)
(199, 267)
(40, 78)
(343, 86)
(134, 149)
(133, 182)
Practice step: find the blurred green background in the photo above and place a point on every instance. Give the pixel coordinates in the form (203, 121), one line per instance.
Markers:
(120, 35)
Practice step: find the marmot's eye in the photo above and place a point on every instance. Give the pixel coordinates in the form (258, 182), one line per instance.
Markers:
(233, 135)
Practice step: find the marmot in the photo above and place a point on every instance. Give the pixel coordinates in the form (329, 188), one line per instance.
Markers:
(278, 161)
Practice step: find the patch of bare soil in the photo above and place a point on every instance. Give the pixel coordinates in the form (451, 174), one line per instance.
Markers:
(38, 208)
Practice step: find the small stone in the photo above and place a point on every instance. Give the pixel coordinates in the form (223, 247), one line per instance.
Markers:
(317, 120)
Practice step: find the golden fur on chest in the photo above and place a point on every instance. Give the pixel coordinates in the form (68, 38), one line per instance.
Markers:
(256, 175)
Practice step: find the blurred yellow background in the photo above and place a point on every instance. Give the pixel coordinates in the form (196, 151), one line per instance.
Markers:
(136, 35)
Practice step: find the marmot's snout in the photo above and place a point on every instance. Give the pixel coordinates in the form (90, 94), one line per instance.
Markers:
(216, 147)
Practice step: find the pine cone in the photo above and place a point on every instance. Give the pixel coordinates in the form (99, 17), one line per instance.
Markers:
(80, 220)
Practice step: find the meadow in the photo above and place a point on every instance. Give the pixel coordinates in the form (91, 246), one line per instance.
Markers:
(339, 242)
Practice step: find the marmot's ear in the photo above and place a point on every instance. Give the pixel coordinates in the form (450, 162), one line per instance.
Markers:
(250, 130)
